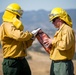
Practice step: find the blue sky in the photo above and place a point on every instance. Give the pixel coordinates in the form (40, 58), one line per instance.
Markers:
(28, 5)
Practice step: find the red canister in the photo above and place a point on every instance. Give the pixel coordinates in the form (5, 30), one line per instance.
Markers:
(41, 36)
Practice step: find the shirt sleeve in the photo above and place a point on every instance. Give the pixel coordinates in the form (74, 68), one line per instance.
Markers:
(12, 32)
(29, 43)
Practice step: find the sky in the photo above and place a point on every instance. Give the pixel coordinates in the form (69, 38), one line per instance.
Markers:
(28, 5)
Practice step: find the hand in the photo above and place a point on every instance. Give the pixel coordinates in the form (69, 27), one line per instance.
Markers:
(47, 42)
(34, 32)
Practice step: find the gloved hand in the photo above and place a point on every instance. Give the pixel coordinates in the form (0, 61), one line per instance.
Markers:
(34, 32)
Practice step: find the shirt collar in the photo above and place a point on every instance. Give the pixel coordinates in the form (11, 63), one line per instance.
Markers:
(59, 29)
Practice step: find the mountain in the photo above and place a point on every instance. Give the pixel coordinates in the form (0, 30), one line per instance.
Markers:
(1, 13)
(40, 18)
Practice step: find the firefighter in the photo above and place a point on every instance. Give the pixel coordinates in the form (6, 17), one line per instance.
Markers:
(15, 41)
(63, 43)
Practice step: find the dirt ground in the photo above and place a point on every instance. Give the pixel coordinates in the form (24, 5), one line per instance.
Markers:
(39, 63)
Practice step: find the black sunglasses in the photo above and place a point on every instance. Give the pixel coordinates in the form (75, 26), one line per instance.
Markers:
(54, 19)
(18, 17)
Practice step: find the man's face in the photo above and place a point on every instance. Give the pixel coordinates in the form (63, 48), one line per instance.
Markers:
(56, 22)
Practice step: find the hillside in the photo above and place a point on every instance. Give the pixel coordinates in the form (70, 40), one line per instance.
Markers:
(40, 18)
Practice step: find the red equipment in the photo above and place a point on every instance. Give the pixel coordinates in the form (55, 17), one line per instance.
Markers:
(41, 36)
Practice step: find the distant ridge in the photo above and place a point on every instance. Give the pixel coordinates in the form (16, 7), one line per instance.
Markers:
(40, 18)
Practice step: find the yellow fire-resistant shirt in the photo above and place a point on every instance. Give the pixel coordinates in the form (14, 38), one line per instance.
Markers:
(14, 42)
(63, 44)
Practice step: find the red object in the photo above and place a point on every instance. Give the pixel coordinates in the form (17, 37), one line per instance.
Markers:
(41, 36)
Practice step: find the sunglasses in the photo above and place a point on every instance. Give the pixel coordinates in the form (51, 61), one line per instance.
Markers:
(18, 17)
(54, 19)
